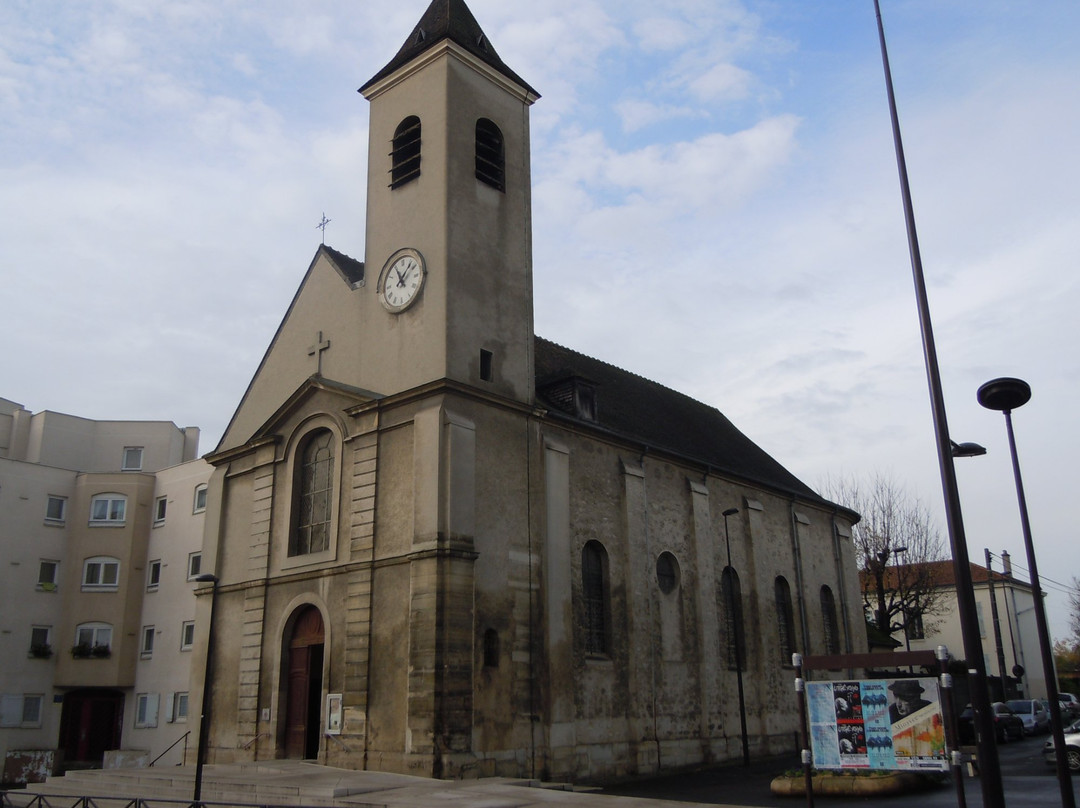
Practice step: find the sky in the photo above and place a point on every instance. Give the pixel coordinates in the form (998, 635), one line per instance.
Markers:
(715, 207)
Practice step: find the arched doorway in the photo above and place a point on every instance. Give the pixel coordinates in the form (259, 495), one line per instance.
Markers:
(91, 721)
(303, 685)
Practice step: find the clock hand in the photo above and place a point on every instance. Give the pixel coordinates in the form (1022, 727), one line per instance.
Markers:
(400, 278)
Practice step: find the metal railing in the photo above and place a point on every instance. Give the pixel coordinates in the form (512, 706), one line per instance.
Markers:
(183, 738)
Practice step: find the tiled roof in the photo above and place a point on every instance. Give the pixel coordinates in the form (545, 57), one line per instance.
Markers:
(448, 19)
(942, 573)
(648, 413)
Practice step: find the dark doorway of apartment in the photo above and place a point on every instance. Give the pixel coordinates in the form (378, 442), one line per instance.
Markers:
(90, 724)
(303, 692)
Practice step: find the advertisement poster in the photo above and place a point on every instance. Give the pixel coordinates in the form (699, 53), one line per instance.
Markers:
(877, 724)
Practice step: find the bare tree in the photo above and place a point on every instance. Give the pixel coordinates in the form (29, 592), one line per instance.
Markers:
(895, 540)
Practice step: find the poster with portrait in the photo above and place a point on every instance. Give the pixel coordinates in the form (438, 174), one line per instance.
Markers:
(877, 724)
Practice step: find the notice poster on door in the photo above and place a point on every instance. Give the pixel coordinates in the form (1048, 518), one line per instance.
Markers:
(877, 724)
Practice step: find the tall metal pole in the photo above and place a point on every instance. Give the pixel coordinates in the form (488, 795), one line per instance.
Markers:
(997, 627)
(1006, 394)
(204, 719)
(989, 764)
(737, 630)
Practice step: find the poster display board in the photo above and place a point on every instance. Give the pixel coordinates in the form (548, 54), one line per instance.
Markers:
(885, 724)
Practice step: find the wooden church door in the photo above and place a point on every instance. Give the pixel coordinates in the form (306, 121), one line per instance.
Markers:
(304, 686)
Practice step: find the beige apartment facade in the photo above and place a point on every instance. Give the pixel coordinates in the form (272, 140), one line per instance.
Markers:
(78, 505)
(448, 547)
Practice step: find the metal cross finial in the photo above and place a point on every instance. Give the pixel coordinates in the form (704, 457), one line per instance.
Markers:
(322, 226)
(317, 349)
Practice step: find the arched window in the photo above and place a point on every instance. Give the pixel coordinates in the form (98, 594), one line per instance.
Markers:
(734, 630)
(785, 619)
(405, 154)
(828, 621)
(594, 588)
(490, 156)
(314, 494)
(101, 574)
(667, 573)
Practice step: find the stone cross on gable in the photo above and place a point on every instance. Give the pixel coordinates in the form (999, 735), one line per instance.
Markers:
(317, 350)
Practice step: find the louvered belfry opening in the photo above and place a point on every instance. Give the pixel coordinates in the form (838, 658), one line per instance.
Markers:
(490, 155)
(405, 154)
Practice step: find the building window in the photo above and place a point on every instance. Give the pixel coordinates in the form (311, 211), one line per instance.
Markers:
(55, 509)
(314, 494)
(132, 458)
(180, 707)
(491, 648)
(108, 509)
(490, 156)
(194, 566)
(785, 620)
(913, 626)
(22, 711)
(734, 630)
(146, 710)
(485, 365)
(405, 154)
(159, 510)
(153, 574)
(41, 642)
(146, 648)
(93, 639)
(187, 635)
(48, 575)
(594, 589)
(667, 573)
(828, 621)
(101, 573)
(200, 499)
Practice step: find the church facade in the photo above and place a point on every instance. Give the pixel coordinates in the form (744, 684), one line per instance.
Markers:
(445, 546)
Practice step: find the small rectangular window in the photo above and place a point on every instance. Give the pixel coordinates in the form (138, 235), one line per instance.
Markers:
(187, 635)
(41, 642)
(200, 499)
(180, 710)
(153, 574)
(159, 510)
(485, 365)
(146, 649)
(146, 710)
(55, 509)
(194, 566)
(31, 710)
(101, 573)
(133, 456)
(47, 575)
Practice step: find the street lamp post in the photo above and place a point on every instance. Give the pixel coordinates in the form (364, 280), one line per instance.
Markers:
(204, 718)
(989, 763)
(736, 630)
(1005, 395)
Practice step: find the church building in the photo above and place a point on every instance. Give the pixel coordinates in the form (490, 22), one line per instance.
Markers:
(446, 546)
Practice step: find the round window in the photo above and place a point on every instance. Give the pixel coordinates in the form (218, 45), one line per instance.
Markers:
(667, 572)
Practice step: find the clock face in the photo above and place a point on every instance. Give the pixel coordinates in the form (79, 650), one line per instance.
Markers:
(401, 280)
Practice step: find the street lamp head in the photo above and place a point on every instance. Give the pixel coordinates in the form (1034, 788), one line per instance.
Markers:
(207, 578)
(1004, 394)
(899, 550)
(730, 512)
(967, 449)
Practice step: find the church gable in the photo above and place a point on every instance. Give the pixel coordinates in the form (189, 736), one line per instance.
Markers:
(317, 337)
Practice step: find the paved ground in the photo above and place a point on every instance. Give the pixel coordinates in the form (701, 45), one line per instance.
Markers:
(1027, 780)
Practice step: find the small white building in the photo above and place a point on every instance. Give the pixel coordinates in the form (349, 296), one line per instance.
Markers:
(91, 512)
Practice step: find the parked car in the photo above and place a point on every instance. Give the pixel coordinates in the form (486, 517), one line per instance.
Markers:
(1007, 724)
(1072, 748)
(1035, 716)
(1070, 706)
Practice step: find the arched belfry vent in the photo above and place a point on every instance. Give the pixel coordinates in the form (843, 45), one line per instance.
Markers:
(490, 156)
(449, 19)
(405, 153)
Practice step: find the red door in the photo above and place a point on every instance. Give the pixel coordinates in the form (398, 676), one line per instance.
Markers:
(91, 721)
(303, 689)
